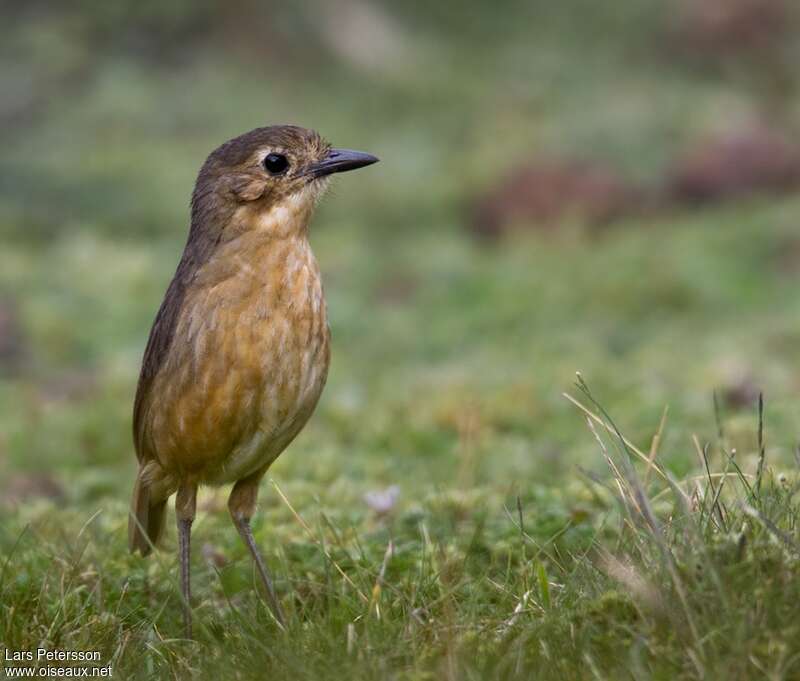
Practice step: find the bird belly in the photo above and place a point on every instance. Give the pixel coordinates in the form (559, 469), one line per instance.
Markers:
(279, 356)
(285, 403)
(244, 374)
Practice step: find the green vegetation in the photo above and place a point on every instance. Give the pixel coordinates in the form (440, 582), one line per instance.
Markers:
(514, 550)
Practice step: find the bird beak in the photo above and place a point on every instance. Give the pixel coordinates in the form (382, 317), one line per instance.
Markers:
(340, 160)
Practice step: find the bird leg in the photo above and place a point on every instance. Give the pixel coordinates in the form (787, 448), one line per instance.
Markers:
(185, 504)
(241, 505)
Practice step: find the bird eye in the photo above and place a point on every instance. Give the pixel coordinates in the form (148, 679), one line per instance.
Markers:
(275, 163)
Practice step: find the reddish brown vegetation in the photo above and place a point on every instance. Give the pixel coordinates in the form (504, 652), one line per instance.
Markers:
(729, 27)
(11, 339)
(749, 160)
(745, 161)
(22, 487)
(741, 394)
(546, 192)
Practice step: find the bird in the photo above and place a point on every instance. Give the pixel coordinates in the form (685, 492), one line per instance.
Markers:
(239, 351)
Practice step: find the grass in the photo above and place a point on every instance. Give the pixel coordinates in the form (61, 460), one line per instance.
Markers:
(630, 573)
(529, 539)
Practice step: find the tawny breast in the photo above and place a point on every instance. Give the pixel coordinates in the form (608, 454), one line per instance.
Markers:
(247, 364)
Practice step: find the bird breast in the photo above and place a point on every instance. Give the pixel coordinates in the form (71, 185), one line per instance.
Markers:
(248, 362)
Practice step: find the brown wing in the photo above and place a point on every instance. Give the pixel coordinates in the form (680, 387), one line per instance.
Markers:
(158, 345)
(199, 247)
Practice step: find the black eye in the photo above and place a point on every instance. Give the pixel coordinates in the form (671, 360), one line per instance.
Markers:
(275, 163)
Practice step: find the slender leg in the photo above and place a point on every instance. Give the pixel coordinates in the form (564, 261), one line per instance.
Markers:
(241, 504)
(185, 504)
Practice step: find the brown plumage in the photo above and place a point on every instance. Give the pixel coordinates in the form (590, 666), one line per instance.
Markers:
(238, 354)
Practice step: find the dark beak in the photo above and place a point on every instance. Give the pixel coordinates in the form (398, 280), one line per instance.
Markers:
(340, 160)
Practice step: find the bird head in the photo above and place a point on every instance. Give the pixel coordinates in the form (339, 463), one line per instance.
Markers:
(267, 179)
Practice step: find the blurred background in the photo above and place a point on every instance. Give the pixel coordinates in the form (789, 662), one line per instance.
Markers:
(593, 186)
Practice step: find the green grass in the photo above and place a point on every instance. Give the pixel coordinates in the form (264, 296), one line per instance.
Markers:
(599, 576)
(514, 549)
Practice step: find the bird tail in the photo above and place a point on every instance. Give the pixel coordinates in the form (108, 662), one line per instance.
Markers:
(147, 516)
